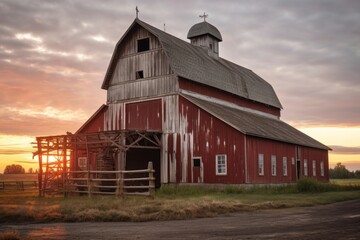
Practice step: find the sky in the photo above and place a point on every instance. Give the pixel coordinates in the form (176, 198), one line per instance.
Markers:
(54, 55)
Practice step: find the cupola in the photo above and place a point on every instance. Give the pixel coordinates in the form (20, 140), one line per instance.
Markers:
(205, 35)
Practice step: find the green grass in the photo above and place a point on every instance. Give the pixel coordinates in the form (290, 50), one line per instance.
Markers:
(171, 202)
(350, 181)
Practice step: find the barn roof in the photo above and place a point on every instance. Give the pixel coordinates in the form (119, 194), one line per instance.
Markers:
(257, 125)
(194, 63)
(204, 28)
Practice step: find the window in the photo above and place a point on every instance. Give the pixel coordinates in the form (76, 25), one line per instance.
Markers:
(82, 162)
(143, 45)
(285, 166)
(314, 167)
(139, 74)
(273, 165)
(305, 167)
(322, 170)
(261, 164)
(221, 168)
(196, 162)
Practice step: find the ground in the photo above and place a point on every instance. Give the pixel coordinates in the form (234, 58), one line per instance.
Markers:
(333, 221)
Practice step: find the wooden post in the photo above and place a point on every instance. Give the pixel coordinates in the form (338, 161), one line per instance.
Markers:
(120, 185)
(89, 184)
(64, 168)
(40, 166)
(151, 179)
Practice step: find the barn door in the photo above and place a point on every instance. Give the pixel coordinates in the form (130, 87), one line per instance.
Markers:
(298, 169)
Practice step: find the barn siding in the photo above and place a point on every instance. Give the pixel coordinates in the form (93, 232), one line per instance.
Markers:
(203, 135)
(145, 115)
(158, 77)
(256, 146)
(95, 124)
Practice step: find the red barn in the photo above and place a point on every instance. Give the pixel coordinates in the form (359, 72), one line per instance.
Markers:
(216, 121)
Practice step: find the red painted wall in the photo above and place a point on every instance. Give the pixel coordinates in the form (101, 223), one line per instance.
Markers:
(211, 137)
(216, 93)
(256, 146)
(319, 156)
(146, 115)
(96, 124)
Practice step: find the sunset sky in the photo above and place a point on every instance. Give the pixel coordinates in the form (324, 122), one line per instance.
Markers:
(54, 54)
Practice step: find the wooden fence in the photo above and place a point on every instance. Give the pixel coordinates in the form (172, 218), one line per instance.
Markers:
(18, 185)
(118, 183)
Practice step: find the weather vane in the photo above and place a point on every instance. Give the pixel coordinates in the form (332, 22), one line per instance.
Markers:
(137, 12)
(204, 16)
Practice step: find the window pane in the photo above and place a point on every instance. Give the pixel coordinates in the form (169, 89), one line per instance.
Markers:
(261, 164)
(285, 166)
(273, 165)
(221, 168)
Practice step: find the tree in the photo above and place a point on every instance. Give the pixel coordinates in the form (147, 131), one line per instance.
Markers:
(30, 171)
(339, 171)
(14, 169)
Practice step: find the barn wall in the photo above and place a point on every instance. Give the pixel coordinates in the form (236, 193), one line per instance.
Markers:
(158, 77)
(145, 115)
(204, 136)
(319, 156)
(95, 124)
(219, 94)
(256, 146)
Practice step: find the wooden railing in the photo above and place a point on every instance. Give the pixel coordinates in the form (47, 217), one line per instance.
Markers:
(18, 185)
(116, 183)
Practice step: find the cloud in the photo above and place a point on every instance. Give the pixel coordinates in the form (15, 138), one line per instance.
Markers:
(345, 150)
(54, 55)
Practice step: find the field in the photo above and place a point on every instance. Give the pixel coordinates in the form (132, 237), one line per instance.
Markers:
(351, 181)
(170, 202)
(18, 177)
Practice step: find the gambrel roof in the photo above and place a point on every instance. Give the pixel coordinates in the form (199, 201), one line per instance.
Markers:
(194, 63)
(256, 125)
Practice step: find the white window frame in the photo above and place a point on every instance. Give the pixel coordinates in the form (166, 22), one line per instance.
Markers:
(306, 167)
(285, 170)
(322, 168)
(314, 168)
(273, 165)
(261, 164)
(221, 164)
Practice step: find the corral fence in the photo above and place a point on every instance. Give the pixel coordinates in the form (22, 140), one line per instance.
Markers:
(118, 183)
(18, 185)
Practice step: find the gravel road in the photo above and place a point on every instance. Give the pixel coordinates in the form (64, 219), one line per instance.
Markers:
(333, 221)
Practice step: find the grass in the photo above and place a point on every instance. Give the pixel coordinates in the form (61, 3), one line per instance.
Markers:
(350, 181)
(171, 202)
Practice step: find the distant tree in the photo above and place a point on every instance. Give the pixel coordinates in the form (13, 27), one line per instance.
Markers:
(357, 174)
(339, 171)
(14, 169)
(30, 171)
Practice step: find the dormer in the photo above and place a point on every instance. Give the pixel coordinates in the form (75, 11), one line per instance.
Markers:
(205, 35)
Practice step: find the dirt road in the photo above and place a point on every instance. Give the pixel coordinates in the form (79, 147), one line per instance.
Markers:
(333, 221)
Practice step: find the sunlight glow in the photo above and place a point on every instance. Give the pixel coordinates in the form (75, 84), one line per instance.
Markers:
(99, 38)
(28, 36)
(49, 112)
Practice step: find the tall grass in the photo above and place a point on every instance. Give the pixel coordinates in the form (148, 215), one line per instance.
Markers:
(304, 185)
